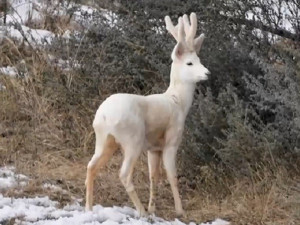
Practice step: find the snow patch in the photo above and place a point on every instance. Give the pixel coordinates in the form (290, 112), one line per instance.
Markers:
(9, 71)
(2, 87)
(54, 188)
(217, 222)
(22, 10)
(66, 65)
(33, 36)
(43, 211)
(8, 179)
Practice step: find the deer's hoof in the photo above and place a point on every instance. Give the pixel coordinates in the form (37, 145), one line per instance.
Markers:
(88, 208)
(151, 209)
(180, 213)
(142, 212)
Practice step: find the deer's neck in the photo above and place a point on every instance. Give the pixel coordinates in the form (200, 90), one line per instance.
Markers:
(181, 93)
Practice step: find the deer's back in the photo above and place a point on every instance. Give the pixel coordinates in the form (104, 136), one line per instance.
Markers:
(134, 115)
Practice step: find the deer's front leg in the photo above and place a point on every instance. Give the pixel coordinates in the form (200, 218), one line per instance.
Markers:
(173, 140)
(154, 162)
(169, 157)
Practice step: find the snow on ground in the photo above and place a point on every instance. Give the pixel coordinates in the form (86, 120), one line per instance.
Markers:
(22, 10)
(43, 211)
(65, 65)
(21, 32)
(33, 36)
(9, 179)
(2, 87)
(9, 71)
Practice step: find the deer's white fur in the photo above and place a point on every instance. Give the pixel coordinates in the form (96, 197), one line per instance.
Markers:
(154, 123)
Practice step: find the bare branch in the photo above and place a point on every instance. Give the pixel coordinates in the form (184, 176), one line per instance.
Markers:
(259, 25)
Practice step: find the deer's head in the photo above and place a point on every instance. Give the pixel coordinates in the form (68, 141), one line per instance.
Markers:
(185, 60)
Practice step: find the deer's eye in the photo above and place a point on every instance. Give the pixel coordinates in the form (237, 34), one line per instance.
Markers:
(189, 64)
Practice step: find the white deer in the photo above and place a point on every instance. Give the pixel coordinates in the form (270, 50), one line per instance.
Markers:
(154, 123)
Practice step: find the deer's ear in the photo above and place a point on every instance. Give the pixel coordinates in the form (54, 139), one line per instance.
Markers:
(178, 51)
(198, 43)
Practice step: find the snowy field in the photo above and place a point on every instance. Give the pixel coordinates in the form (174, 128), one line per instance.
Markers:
(42, 210)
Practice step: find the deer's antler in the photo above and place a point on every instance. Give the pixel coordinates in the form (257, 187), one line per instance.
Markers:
(184, 31)
(190, 29)
(171, 28)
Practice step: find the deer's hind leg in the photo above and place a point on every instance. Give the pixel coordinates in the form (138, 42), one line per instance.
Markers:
(105, 148)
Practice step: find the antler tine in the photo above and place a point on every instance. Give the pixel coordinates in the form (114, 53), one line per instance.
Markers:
(191, 30)
(193, 19)
(171, 28)
(186, 24)
(180, 30)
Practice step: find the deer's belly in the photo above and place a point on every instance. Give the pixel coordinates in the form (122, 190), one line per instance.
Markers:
(155, 140)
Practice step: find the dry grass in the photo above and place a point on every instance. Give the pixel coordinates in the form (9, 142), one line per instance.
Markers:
(265, 199)
(57, 24)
